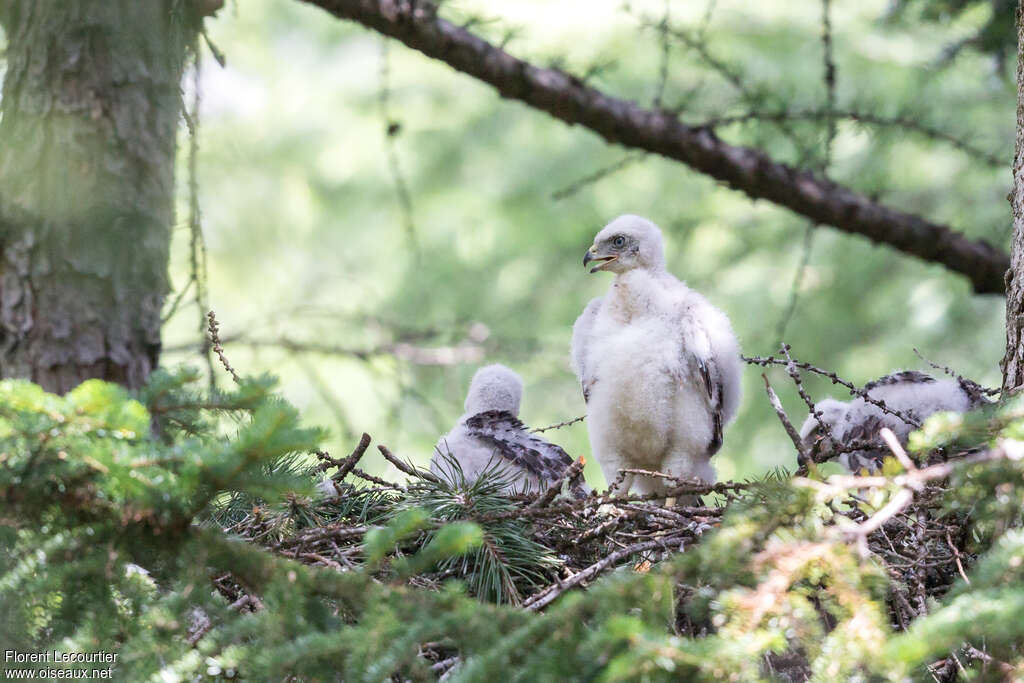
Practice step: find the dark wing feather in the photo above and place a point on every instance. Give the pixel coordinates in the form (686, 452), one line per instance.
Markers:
(511, 441)
(865, 434)
(817, 442)
(712, 381)
(903, 377)
(975, 392)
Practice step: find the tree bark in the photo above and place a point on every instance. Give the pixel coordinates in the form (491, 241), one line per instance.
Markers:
(90, 108)
(1013, 361)
(619, 121)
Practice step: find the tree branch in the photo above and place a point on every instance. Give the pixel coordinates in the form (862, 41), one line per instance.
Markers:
(620, 121)
(548, 595)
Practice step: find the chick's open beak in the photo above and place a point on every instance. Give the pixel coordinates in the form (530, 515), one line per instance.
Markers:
(591, 256)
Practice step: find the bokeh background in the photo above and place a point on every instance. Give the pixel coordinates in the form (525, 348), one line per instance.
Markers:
(374, 271)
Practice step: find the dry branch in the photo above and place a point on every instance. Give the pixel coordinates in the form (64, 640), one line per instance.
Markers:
(620, 121)
(406, 467)
(905, 122)
(791, 365)
(348, 464)
(465, 352)
(551, 593)
(911, 483)
(559, 425)
(803, 459)
(214, 332)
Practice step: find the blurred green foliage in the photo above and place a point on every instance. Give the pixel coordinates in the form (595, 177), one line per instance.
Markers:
(995, 33)
(308, 241)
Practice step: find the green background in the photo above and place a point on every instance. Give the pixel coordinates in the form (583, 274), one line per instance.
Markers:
(308, 241)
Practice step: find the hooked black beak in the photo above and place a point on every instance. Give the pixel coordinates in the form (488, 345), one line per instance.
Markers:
(589, 256)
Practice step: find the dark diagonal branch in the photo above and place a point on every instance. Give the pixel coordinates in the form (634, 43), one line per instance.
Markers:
(620, 121)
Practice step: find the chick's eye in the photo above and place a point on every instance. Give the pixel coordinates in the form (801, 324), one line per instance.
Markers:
(618, 241)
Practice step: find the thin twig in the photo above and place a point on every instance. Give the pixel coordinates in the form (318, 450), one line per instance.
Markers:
(376, 480)
(829, 75)
(464, 352)
(751, 96)
(905, 122)
(213, 329)
(336, 532)
(790, 363)
(803, 459)
(346, 465)
(659, 475)
(405, 467)
(957, 376)
(798, 279)
(956, 556)
(569, 506)
(663, 59)
(600, 174)
(392, 129)
(197, 241)
(544, 598)
(975, 653)
(559, 425)
(909, 484)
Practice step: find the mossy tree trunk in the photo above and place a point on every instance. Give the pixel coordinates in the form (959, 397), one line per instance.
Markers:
(1013, 361)
(91, 104)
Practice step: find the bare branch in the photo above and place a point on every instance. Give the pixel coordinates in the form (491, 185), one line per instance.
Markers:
(911, 482)
(392, 128)
(581, 418)
(214, 332)
(964, 382)
(791, 365)
(830, 81)
(600, 174)
(344, 466)
(465, 352)
(906, 122)
(406, 467)
(798, 280)
(803, 459)
(551, 593)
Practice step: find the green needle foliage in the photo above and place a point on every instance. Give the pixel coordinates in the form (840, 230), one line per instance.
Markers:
(507, 557)
(182, 532)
